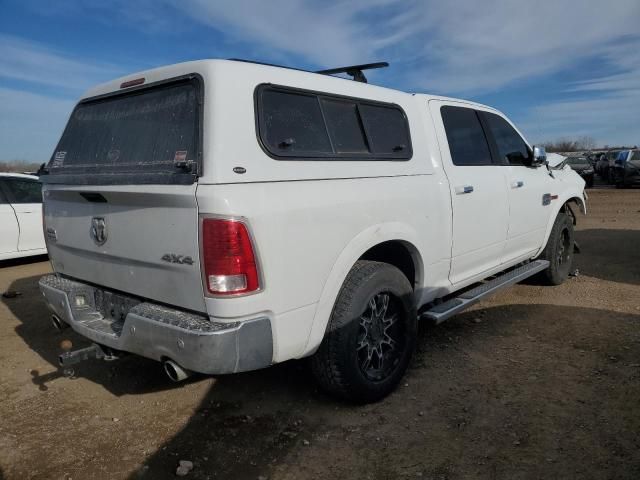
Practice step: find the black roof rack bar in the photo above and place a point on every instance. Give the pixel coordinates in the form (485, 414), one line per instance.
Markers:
(354, 70)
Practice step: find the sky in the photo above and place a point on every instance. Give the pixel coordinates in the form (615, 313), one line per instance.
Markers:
(557, 68)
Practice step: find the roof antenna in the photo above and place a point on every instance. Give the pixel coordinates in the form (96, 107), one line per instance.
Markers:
(354, 70)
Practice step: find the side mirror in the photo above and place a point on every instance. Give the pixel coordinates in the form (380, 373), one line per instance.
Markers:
(539, 157)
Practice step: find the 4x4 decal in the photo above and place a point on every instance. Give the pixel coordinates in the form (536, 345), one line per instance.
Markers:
(181, 259)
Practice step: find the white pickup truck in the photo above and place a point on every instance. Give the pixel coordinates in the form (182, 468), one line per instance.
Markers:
(222, 216)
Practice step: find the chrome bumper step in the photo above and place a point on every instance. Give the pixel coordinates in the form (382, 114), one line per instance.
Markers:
(118, 323)
(439, 313)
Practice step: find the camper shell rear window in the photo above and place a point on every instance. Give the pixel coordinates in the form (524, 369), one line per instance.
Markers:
(295, 124)
(146, 135)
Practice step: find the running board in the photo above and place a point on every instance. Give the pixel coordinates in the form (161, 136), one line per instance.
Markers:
(442, 311)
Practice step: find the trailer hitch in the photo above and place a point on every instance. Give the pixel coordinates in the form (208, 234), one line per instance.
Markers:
(71, 357)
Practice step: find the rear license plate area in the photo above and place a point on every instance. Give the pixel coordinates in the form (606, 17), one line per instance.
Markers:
(112, 305)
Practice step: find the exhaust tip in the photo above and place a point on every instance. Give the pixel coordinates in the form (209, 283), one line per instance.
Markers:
(58, 324)
(174, 371)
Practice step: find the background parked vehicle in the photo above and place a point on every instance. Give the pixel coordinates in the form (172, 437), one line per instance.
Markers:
(600, 163)
(583, 168)
(593, 158)
(602, 166)
(21, 232)
(626, 168)
(610, 160)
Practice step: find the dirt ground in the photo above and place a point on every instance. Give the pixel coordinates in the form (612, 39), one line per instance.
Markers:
(536, 382)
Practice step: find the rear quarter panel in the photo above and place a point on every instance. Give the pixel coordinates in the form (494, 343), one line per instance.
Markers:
(308, 234)
(312, 219)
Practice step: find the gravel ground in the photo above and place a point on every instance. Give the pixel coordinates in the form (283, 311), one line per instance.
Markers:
(536, 382)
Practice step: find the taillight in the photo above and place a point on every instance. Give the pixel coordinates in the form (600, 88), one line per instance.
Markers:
(228, 258)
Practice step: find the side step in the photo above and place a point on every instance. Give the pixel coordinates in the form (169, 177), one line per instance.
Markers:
(441, 312)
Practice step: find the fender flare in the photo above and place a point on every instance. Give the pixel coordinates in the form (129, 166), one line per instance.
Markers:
(567, 198)
(368, 238)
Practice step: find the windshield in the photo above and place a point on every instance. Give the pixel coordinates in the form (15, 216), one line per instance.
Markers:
(635, 155)
(148, 131)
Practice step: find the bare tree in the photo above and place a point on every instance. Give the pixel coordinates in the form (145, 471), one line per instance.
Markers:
(571, 145)
(19, 166)
(586, 143)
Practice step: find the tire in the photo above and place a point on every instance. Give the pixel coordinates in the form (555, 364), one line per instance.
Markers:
(559, 251)
(365, 353)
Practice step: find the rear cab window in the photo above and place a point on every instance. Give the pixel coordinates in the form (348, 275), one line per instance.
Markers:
(150, 134)
(306, 125)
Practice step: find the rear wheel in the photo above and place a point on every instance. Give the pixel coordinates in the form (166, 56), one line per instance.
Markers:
(559, 250)
(371, 334)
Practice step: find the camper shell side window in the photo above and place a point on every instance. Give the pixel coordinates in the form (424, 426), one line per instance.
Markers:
(296, 124)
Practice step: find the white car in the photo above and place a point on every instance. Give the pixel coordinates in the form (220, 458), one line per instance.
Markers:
(222, 216)
(21, 233)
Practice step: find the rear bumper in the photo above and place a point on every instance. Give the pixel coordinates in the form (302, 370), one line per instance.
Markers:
(158, 332)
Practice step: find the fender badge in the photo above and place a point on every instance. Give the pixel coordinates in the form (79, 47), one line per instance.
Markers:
(547, 197)
(239, 170)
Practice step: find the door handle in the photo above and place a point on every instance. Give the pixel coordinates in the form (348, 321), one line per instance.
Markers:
(517, 184)
(461, 190)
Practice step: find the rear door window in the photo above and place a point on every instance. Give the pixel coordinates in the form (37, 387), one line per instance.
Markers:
(512, 149)
(151, 131)
(465, 135)
(22, 190)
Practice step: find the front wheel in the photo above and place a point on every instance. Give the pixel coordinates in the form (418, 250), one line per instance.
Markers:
(371, 334)
(559, 250)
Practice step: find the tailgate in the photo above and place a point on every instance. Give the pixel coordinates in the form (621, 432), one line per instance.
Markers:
(139, 239)
(119, 192)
